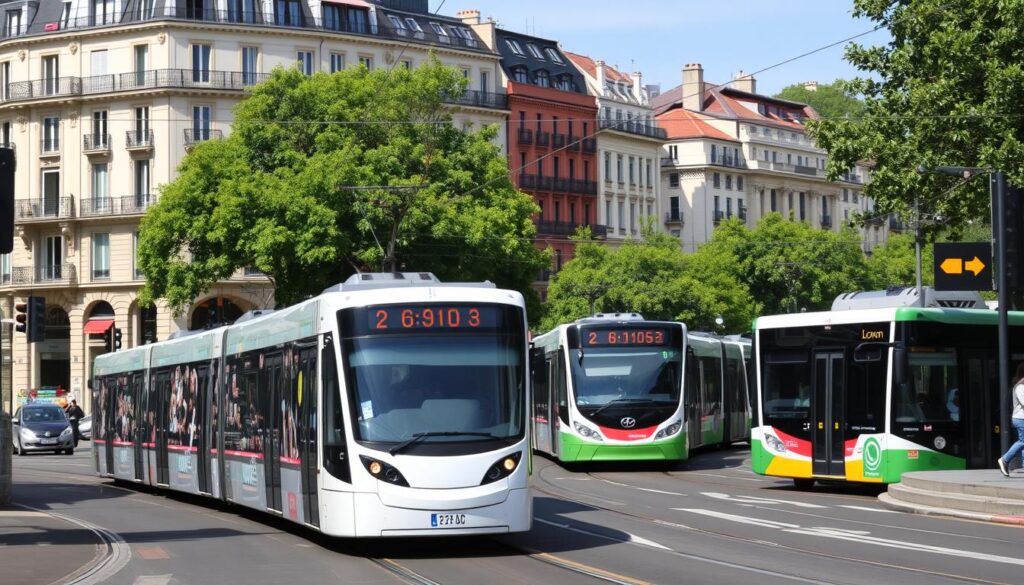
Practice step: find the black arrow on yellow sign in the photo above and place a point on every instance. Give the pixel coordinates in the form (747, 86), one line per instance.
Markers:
(958, 266)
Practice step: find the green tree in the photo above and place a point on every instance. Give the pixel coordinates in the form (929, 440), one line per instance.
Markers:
(895, 263)
(650, 276)
(785, 265)
(944, 91)
(322, 176)
(831, 100)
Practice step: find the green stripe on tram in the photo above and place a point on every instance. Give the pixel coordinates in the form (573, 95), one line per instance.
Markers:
(957, 316)
(573, 448)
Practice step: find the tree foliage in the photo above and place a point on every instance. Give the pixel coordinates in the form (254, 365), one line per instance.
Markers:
(831, 100)
(945, 91)
(650, 276)
(322, 176)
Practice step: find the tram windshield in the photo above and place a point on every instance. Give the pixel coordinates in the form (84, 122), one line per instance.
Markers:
(641, 376)
(468, 385)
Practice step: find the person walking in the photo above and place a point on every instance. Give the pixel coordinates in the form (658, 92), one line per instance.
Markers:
(75, 414)
(1017, 420)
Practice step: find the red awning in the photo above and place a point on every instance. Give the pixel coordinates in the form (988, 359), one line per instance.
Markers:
(96, 326)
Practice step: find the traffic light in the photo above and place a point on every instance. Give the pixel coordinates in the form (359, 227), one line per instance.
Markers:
(112, 338)
(1014, 234)
(117, 339)
(6, 200)
(30, 318)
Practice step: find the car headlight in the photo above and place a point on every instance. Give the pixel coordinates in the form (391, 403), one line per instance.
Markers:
(65, 433)
(587, 432)
(28, 435)
(774, 444)
(669, 430)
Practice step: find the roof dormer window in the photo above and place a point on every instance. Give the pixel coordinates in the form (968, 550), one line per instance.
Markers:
(515, 46)
(438, 29)
(520, 74)
(534, 51)
(565, 83)
(554, 56)
(397, 24)
(542, 79)
(413, 25)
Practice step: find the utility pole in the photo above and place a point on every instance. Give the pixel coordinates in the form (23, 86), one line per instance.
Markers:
(917, 249)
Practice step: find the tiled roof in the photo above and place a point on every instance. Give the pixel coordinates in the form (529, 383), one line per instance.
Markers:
(590, 67)
(727, 103)
(681, 123)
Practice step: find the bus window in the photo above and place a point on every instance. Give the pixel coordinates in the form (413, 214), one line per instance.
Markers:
(787, 385)
(335, 447)
(865, 396)
(933, 378)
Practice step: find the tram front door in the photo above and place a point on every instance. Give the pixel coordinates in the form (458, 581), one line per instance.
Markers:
(979, 409)
(828, 399)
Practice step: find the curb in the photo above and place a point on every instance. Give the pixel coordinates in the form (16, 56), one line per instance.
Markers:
(889, 502)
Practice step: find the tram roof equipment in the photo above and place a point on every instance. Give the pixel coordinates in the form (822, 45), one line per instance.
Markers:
(378, 280)
(907, 297)
(613, 317)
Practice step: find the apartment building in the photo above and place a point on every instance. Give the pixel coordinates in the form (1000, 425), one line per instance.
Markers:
(102, 99)
(629, 147)
(732, 152)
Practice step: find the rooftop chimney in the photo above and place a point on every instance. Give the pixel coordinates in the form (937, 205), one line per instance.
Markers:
(469, 17)
(693, 87)
(600, 75)
(744, 82)
(811, 85)
(638, 87)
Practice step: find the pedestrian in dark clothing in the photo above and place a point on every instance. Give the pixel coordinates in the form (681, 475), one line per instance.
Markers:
(75, 414)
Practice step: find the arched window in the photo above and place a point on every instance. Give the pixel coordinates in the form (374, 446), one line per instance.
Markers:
(542, 78)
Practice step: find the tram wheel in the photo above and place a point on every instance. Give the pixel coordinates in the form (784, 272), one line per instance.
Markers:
(803, 483)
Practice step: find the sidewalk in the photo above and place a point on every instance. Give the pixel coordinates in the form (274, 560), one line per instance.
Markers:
(39, 548)
(976, 494)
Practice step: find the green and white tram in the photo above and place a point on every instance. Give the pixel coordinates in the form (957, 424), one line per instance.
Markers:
(390, 405)
(867, 394)
(616, 387)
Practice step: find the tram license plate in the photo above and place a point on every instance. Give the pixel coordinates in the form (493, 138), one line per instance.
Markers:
(439, 520)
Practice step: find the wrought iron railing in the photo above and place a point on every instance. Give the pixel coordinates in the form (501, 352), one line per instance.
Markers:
(47, 274)
(108, 206)
(194, 136)
(96, 142)
(139, 139)
(46, 208)
(633, 127)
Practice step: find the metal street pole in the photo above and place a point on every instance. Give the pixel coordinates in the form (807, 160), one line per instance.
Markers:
(917, 250)
(998, 183)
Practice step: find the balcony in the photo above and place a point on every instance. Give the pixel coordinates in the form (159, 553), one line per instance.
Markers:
(895, 224)
(589, 145)
(543, 139)
(41, 275)
(805, 170)
(719, 216)
(565, 228)
(525, 136)
(726, 160)
(47, 208)
(674, 216)
(633, 127)
(479, 99)
(136, 140)
(572, 143)
(56, 87)
(97, 144)
(49, 146)
(558, 141)
(668, 161)
(114, 206)
(194, 136)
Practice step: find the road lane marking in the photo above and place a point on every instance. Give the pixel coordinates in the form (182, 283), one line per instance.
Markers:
(868, 509)
(758, 500)
(588, 570)
(633, 487)
(21, 514)
(633, 539)
(726, 476)
(857, 536)
(153, 579)
(104, 566)
(152, 553)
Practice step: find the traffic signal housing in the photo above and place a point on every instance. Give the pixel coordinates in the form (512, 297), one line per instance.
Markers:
(112, 338)
(117, 339)
(1014, 234)
(30, 318)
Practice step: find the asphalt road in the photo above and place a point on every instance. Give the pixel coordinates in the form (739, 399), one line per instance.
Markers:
(708, 520)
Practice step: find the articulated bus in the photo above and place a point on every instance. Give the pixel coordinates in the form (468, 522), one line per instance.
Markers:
(390, 405)
(616, 387)
(865, 395)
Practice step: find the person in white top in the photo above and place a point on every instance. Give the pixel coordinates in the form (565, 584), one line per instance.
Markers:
(1017, 420)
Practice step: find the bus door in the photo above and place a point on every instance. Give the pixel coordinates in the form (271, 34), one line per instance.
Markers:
(307, 433)
(110, 384)
(202, 407)
(163, 404)
(138, 391)
(272, 429)
(693, 388)
(827, 402)
(735, 394)
(979, 409)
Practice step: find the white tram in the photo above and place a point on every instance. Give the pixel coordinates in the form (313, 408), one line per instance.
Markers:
(390, 405)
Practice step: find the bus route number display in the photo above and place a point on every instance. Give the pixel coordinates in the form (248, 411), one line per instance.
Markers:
(430, 318)
(648, 336)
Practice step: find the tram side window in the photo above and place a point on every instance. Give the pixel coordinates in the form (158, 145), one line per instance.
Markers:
(865, 398)
(787, 384)
(927, 397)
(124, 421)
(712, 376)
(540, 393)
(563, 391)
(184, 421)
(335, 455)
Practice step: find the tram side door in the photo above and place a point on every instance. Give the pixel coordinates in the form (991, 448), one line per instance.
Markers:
(111, 407)
(163, 404)
(693, 391)
(979, 410)
(202, 406)
(139, 396)
(827, 401)
(272, 382)
(308, 429)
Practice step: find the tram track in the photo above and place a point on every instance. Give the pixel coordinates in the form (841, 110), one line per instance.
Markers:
(557, 492)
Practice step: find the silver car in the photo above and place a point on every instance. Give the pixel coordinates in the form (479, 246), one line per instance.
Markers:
(42, 427)
(85, 428)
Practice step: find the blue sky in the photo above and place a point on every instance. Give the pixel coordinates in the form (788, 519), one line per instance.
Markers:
(657, 37)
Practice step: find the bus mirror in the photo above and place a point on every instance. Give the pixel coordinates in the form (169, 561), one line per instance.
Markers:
(867, 353)
(899, 366)
(538, 366)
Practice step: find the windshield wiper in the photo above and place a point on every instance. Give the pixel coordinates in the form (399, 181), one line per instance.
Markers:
(621, 401)
(417, 437)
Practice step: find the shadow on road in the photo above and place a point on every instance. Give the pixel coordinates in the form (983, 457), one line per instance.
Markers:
(701, 460)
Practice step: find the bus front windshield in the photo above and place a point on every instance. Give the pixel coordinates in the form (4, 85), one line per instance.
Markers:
(441, 388)
(619, 375)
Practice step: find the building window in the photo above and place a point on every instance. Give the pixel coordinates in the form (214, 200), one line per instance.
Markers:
(99, 129)
(136, 269)
(673, 153)
(554, 56)
(201, 63)
(51, 75)
(239, 10)
(534, 51)
(632, 217)
(337, 62)
(618, 170)
(250, 65)
(287, 13)
(673, 180)
(51, 134)
(200, 123)
(100, 187)
(632, 176)
(774, 202)
(648, 172)
(622, 218)
(101, 256)
(142, 183)
(5, 268)
(607, 213)
(397, 24)
(520, 75)
(305, 62)
(542, 78)
(716, 180)
(357, 20)
(565, 83)
(608, 166)
(141, 62)
(803, 214)
(5, 80)
(102, 12)
(718, 206)
(739, 183)
(366, 61)
(728, 207)
(512, 44)
(485, 81)
(728, 182)
(12, 23)
(414, 26)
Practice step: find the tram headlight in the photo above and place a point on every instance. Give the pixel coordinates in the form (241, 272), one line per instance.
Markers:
(383, 471)
(587, 432)
(502, 468)
(669, 430)
(775, 444)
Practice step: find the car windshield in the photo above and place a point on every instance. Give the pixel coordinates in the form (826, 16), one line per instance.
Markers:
(623, 375)
(43, 415)
(403, 385)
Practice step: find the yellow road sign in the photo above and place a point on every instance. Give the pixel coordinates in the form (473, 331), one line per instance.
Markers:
(958, 266)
